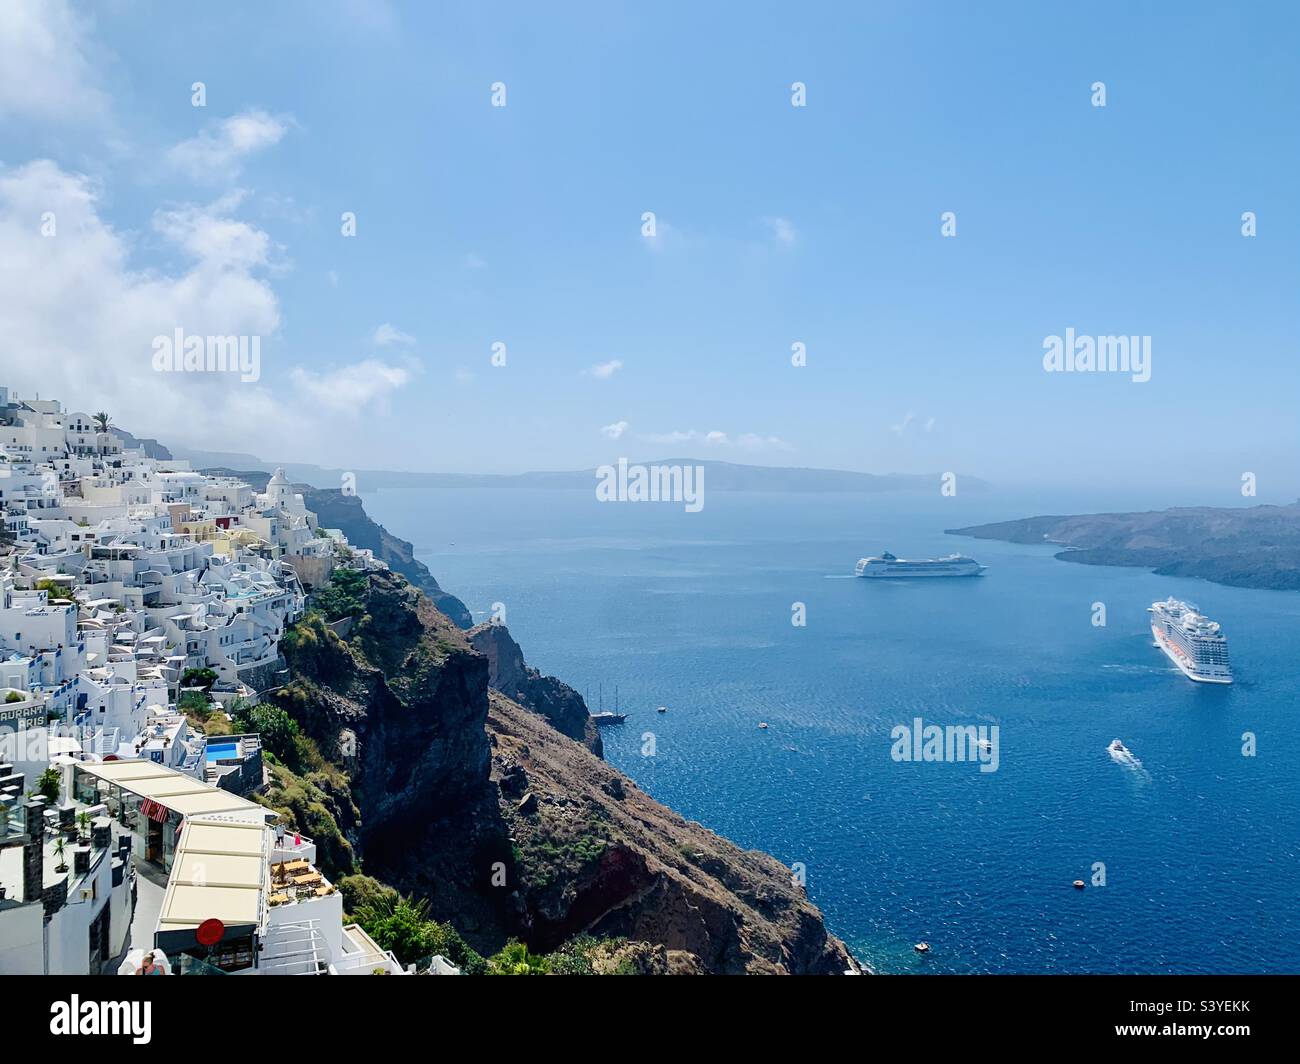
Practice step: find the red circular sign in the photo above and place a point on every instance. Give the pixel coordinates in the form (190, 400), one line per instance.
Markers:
(210, 932)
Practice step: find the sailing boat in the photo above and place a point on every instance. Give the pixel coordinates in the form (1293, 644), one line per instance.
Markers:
(603, 717)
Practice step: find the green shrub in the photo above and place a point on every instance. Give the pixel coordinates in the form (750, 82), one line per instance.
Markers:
(344, 596)
(215, 724)
(49, 783)
(278, 730)
(574, 957)
(514, 959)
(403, 926)
(362, 893)
(53, 589)
(204, 678)
(195, 702)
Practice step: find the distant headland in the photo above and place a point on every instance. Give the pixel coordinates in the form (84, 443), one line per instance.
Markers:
(1256, 546)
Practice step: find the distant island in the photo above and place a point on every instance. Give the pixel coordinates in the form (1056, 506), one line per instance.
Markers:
(1257, 546)
(719, 476)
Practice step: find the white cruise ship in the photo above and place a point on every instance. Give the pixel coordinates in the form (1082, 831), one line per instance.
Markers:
(1192, 641)
(886, 565)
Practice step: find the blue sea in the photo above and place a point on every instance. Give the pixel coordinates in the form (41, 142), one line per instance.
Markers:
(1200, 844)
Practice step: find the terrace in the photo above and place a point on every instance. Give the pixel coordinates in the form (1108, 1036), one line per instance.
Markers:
(296, 881)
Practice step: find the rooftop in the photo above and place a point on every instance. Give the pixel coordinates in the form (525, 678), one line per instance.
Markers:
(175, 790)
(218, 872)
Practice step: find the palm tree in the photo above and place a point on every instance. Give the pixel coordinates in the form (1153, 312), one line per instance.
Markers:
(102, 424)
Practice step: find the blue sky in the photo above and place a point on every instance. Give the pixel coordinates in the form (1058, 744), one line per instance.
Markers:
(777, 224)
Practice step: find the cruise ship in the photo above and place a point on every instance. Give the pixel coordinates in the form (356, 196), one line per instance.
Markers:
(1192, 641)
(886, 565)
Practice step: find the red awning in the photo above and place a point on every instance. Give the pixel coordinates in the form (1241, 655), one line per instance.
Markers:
(154, 810)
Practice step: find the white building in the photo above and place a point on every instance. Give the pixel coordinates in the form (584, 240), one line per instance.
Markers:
(118, 572)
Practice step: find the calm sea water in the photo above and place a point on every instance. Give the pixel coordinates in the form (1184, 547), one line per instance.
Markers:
(693, 612)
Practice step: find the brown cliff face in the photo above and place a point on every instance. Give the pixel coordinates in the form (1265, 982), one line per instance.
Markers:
(510, 828)
(554, 699)
(597, 854)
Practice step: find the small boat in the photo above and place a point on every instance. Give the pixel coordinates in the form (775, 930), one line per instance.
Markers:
(662, 709)
(1122, 755)
(763, 725)
(1079, 884)
(604, 716)
(922, 947)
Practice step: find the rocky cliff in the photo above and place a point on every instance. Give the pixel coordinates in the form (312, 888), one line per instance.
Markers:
(593, 852)
(560, 704)
(345, 512)
(508, 827)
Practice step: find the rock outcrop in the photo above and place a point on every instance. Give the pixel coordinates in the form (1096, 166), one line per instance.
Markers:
(345, 512)
(596, 854)
(548, 696)
(510, 828)
(399, 705)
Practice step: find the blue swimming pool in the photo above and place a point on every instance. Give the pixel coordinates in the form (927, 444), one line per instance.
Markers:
(222, 751)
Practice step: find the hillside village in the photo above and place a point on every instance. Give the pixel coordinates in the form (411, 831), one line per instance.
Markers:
(132, 591)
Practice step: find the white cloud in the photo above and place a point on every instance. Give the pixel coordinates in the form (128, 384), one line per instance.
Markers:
(350, 389)
(748, 441)
(386, 335)
(219, 151)
(615, 431)
(908, 421)
(45, 69)
(604, 370)
(212, 236)
(783, 231)
(79, 319)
